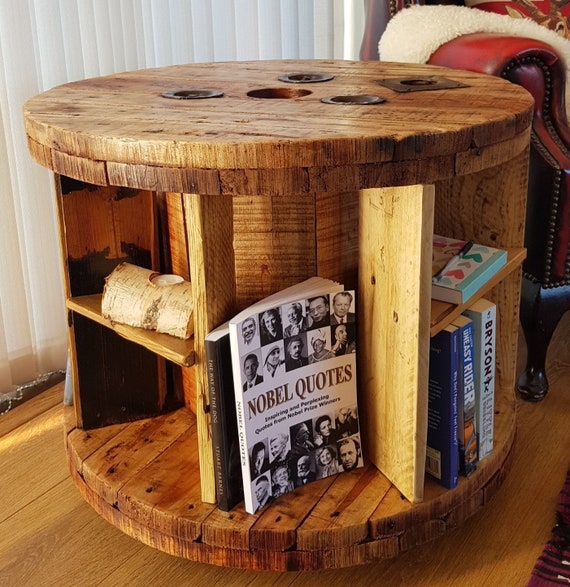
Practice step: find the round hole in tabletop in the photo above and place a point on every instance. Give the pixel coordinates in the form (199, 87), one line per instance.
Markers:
(278, 93)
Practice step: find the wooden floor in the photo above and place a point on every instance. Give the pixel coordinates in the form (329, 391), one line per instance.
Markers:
(49, 536)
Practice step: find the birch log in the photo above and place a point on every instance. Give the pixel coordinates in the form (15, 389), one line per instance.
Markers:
(146, 299)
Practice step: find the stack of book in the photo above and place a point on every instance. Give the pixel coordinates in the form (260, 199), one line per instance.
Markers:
(282, 390)
(461, 387)
(461, 394)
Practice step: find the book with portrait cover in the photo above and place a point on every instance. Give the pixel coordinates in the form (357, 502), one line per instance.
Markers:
(442, 451)
(225, 444)
(462, 277)
(294, 371)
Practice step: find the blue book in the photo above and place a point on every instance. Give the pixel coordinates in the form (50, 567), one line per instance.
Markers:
(467, 428)
(459, 278)
(442, 453)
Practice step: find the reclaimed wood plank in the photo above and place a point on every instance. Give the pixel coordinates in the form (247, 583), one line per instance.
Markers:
(209, 226)
(166, 494)
(410, 125)
(130, 450)
(281, 231)
(340, 517)
(396, 228)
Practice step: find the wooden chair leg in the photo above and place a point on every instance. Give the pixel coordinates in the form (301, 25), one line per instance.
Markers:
(541, 311)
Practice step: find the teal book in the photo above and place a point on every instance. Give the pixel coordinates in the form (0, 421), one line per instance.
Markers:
(483, 313)
(460, 276)
(442, 452)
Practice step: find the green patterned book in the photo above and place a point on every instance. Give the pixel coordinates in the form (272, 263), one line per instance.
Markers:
(460, 273)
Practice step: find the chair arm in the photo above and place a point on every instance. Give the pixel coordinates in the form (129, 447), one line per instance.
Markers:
(527, 62)
(537, 67)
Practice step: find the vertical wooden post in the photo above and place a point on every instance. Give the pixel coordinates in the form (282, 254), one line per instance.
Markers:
(396, 228)
(209, 225)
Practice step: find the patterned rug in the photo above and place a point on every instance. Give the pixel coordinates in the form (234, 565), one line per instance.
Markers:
(553, 567)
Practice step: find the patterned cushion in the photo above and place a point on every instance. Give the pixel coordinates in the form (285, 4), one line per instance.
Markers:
(552, 14)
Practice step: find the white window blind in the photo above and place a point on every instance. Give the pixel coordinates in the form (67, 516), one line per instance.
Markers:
(44, 43)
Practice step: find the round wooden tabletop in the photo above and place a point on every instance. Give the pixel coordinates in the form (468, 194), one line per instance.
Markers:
(205, 125)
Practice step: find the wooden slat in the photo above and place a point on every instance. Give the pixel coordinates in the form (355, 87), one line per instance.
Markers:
(176, 254)
(81, 444)
(278, 527)
(396, 233)
(87, 170)
(209, 226)
(337, 237)
(281, 231)
(42, 154)
(151, 177)
(340, 518)
(129, 451)
(165, 496)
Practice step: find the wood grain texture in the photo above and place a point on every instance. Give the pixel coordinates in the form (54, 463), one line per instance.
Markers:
(241, 145)
(209, 226)
(174, 349)
(175, 254)
(396, 232)
(142, 477)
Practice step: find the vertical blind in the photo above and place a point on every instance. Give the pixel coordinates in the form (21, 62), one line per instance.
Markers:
(44, 43)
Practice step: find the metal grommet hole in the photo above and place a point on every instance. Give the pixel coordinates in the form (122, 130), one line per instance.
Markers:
(356, 99)
(192, 94)
(303, 78)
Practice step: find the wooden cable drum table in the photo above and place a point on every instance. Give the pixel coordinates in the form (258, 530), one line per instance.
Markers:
(246, 178)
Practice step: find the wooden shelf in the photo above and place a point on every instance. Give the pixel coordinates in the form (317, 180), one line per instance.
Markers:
(174, 349)
(181, 351)
(443, 313)
(143, 477)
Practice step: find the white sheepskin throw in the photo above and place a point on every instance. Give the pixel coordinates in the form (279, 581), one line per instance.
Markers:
(414, 33)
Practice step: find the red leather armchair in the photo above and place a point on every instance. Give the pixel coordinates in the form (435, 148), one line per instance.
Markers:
(537, 67)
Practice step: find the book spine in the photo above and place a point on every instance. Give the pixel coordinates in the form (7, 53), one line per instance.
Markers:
(240, 420)
(229, 490)
(467, 430)
(442, 455)
(484, 318)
